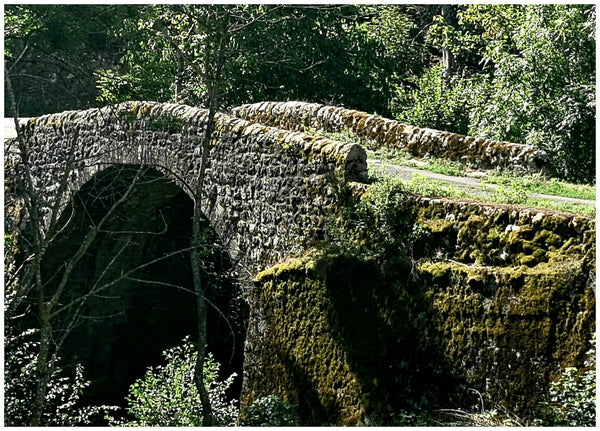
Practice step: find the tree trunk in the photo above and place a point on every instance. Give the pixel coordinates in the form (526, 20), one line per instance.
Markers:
(448, 58)
(43, 367)
(212, 82)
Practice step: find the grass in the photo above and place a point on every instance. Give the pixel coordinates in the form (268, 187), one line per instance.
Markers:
(504, 179)
(511, 187)
(432, 164)
(537, 183)
(421, 185)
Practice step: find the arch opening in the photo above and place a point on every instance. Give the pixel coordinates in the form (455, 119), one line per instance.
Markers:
(137, 282)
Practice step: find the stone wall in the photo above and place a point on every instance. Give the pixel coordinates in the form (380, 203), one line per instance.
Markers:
(391, 134)
(494, 298)
(512, 295)
(266, 188)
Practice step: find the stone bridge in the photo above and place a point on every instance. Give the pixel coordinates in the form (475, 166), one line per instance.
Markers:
(266, 192)
(502, 297)
(265, 188)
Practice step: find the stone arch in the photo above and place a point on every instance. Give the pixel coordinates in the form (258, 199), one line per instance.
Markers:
(265, 187)
(268, 192)
(125, 326)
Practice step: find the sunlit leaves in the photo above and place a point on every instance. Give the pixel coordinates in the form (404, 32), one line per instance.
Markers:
(167, 395)
(526, 73)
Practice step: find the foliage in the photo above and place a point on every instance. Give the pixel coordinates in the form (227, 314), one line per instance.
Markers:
(167, 395)
(404, 418)
(114, 87)
(573, 397)
(382, 206)
(529, 77)
(498, 417)
(51, 52)
(388, 58)
(441, 102)
(63, 406)
(523, 73)
(270, 411)
(346, 55)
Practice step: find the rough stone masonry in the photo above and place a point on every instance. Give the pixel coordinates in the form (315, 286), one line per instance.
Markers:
(265, 187)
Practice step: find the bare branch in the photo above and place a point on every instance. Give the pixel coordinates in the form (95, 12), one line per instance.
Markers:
(87, 242)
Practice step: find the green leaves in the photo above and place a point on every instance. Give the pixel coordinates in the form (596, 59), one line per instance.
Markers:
(63, 399)
(539, 93)
(573, 396)
(526, 73)
(271, 411)
(167, 395)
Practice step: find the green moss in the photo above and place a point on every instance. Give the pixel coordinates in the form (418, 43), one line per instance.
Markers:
(493, 299)
(338, 339)
(507, 329)
(438, 225)
(302, 264)
(301, 347)
(527, 260)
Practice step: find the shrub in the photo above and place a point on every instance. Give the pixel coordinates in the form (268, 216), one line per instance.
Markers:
(167, 395)
(573, 396)
(62, 403)
(271, 411)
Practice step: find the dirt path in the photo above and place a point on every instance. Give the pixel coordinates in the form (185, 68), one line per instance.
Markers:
(472, 185)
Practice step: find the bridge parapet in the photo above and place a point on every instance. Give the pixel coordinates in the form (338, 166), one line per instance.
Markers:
(420, 142)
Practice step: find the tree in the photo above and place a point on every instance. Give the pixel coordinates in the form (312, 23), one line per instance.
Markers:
(542, 87)
(198, 46)
(449, 16)
(205, 53)
(51, 51)
(524, 73)
(57, 308)
(45, 225)
(343, 55)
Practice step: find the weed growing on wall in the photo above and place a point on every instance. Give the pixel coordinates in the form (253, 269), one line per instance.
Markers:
(573, 396)
(376, 225)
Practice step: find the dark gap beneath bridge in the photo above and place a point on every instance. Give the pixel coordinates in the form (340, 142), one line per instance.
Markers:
(124, 328)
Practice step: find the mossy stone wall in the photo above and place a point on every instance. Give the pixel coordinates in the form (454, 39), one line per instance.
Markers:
(328, 335)
(499, 299)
